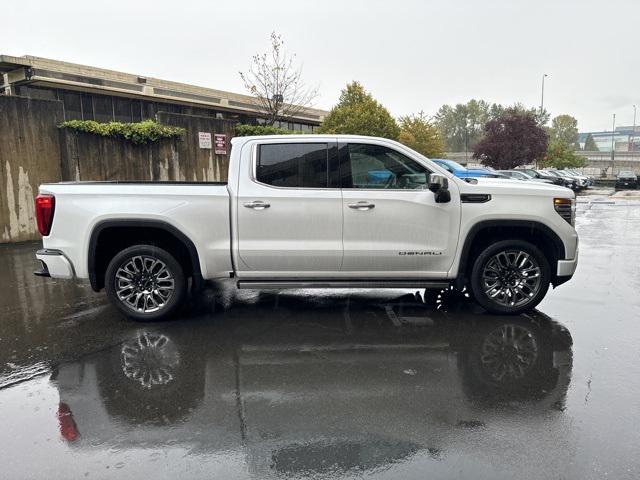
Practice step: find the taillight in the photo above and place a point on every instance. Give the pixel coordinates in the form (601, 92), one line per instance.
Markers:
(45, 206)
(66, 423)
(566, 208)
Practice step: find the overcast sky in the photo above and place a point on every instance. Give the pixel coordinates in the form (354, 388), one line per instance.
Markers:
(411, 55)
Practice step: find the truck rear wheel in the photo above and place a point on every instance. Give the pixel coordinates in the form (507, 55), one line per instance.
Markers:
(510, 277)
(145, 282)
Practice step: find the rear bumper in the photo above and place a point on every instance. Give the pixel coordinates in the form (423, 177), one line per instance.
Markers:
(54, 264)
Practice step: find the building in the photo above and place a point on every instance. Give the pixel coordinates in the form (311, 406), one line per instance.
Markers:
(90, 93)
(624, 139)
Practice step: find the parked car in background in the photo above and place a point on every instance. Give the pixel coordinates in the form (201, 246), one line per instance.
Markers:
(542, 175)
(518, 175)
(581, 181)
(569, 182)
(626, 179)
(461, 171)
(590, 180)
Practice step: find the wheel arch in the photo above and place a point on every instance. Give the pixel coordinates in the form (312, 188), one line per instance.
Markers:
(140, 230)
(483, 233)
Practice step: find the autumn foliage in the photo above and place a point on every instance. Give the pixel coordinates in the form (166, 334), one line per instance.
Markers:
(512, 139)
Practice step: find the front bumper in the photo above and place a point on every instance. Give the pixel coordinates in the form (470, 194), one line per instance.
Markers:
(565, 270)
(54, 264)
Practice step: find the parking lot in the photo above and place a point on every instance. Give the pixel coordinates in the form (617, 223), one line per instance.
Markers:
(330, 384)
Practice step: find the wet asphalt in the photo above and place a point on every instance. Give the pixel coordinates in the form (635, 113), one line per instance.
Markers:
(329, 384)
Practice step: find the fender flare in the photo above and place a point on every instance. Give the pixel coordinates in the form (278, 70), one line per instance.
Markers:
(533, 225)
(198, 281)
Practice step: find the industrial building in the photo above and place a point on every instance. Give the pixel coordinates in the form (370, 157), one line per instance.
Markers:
(90, 93)
(624, 139)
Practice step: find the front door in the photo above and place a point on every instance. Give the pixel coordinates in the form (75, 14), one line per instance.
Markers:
(393, 226)
(289, 220)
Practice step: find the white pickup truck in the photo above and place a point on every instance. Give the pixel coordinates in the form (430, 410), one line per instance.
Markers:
(311, 211)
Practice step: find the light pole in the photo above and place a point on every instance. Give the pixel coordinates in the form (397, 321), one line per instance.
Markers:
(544, 75)
(613, 144)
(633, 135)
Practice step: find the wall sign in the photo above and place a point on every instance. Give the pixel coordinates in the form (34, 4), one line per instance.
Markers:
(204, 140)
(220, 144)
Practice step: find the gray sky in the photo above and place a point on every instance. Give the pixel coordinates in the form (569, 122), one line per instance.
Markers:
(411, 55)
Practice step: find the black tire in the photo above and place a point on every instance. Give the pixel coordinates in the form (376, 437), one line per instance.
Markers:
(171, 267)
(494, 305)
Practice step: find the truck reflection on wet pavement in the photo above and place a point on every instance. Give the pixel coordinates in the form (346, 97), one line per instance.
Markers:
(315, 384)
(307, 395)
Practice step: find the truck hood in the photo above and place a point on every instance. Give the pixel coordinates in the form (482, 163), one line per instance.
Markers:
(515, 187)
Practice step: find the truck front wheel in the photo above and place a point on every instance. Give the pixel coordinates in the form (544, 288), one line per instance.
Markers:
(145, 282)
(510, 277)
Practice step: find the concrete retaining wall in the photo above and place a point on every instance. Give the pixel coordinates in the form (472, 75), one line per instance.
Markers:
(34, 151)
(29, 156)
(89, 157)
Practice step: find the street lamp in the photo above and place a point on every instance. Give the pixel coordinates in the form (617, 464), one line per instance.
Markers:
(613, 144)
(544, 75)
(633, 135)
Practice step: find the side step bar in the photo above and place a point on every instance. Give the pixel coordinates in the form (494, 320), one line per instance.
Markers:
(286, 284)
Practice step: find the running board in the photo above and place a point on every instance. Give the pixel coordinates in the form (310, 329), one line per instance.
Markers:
(286, 284)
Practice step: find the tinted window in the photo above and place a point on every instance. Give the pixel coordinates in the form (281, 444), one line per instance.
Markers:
(302, 165)
(375, 166)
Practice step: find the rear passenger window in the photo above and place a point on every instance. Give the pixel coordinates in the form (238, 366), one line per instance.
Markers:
(301, 165)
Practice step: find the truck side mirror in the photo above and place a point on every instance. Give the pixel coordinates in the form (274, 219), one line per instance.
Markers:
(439, 185)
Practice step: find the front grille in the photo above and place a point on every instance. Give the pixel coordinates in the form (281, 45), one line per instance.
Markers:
(565, 208)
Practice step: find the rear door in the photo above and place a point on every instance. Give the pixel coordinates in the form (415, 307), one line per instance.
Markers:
(392, 225)
(289, 214)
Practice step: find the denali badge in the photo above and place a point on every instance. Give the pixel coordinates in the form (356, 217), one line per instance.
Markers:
(422, 252)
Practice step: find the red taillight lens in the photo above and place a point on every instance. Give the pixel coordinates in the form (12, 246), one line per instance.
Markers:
(45, 206)
(67, 424)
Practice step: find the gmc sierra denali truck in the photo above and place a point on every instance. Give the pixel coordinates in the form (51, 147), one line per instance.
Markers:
(311, 211)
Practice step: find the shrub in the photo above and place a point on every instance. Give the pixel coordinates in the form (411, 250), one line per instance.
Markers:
(139, 133)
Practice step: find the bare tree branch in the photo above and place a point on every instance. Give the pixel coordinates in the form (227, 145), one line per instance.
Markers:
(276, 84)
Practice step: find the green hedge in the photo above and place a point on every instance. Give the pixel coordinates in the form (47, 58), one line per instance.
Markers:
(139, 133)
(249, 130)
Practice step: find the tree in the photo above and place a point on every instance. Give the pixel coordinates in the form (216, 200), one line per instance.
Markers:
(276, 83)
(590, 144)
(541, 117)
(461, 126)
(510, 140)
(562, 155)
(418, 133)
(357, 112)
(564, 128)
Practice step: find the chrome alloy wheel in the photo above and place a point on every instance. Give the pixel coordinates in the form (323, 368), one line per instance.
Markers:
(509, 352)
(511, 278)
(151, 359)
(144, 284)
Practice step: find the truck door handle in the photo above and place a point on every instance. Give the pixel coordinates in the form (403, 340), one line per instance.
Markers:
(362, 206)
(257, 205)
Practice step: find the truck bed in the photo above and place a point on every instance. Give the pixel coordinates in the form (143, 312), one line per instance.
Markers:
(199, 210)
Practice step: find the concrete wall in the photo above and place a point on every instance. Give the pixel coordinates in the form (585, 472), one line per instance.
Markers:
(90, 157)
(29, 156)
(34, 151)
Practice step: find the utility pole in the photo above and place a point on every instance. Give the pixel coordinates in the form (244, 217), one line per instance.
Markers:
(613, 144)
(542, 96)
(466, 141)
